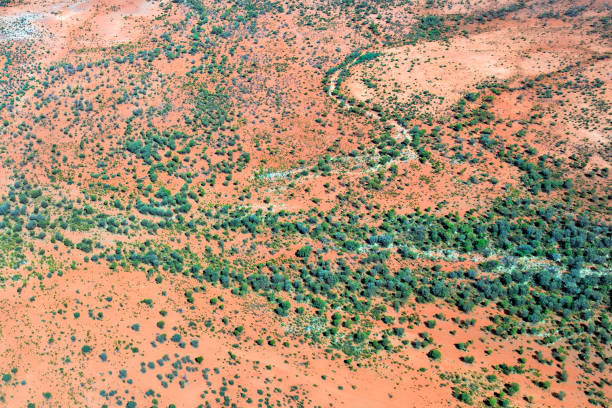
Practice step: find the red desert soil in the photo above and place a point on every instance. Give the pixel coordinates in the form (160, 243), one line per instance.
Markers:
(163, 160)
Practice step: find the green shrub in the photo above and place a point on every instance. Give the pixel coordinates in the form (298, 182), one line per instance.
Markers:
(434, 354)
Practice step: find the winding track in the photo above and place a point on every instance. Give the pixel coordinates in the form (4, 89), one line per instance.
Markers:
(401, 132)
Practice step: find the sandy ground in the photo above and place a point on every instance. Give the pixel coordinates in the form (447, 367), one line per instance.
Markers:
(287, 123)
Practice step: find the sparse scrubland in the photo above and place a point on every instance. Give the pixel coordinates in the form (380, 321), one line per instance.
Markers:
(384, 203)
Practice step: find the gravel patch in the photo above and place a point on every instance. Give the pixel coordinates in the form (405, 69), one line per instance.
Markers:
(19, 27)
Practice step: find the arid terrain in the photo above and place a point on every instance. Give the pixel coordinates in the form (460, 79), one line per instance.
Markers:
(345, 203)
